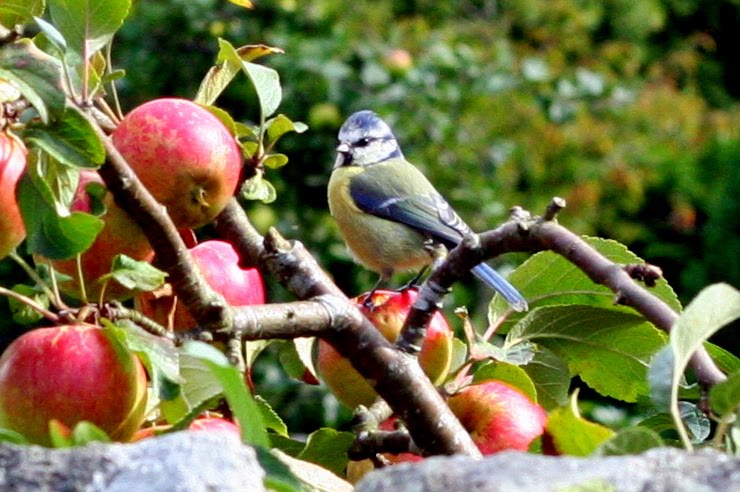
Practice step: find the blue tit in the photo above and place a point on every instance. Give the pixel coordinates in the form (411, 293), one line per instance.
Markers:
(389, 214)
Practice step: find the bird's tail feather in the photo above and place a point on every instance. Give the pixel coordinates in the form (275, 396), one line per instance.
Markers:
(501, 285)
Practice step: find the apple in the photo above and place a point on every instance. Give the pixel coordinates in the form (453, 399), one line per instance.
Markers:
(12, 164)
(498, 416)
(219, 264)
(184, 156)
(387, 313)
(120, 235)
(201, 424)
(398, 61)
(70, 373)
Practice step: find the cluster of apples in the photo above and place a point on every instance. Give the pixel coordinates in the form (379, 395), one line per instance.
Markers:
(497, 415)
(191, 164)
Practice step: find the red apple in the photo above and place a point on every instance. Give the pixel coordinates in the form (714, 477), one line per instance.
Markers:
(210, 424)
(120, 235)
(70, 373)
(12, 164)
(219, 264)
(498, 416)
(388, 312)
(184, 155)
(398, 61)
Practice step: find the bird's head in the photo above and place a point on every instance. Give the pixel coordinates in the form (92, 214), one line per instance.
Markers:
(364, 140)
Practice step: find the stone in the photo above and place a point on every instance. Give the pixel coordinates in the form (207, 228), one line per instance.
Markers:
(177, 462)
(657, 470)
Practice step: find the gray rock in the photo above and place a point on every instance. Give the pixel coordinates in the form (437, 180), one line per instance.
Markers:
(657, 470)
(179, 462)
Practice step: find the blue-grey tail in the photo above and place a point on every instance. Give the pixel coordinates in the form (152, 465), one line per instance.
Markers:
(501, 285)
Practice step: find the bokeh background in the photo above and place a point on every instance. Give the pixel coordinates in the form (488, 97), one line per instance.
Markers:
(626, 108)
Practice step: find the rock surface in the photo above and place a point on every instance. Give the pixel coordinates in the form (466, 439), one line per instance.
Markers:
(180, 462)
(657, 470)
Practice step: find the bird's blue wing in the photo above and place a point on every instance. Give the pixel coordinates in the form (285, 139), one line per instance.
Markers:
(427, 212)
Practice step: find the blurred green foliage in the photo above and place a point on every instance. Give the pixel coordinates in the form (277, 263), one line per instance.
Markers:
(627, 108)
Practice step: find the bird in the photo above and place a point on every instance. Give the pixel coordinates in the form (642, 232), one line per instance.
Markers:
(388, 213)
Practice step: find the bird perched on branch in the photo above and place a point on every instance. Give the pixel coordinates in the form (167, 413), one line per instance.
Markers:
(390, 215)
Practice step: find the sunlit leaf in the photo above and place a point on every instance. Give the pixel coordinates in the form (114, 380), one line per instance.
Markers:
(258, 188)
(724, 397)
(134, 274)
(610, 350)
(551, 378)
(88, 25)
(328, 448)
(513, 375)
(632, 440)
(573, 435)
(14, 12)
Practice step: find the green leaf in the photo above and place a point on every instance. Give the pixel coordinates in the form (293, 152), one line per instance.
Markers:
(12, 437)
(280, 125)
(547, 278)
(223, 117)
(221, 75)
(714, 307)
(609, 349)
(60, 435)
(265, 81)
(240, 401)
(48, 234)
(695, 420)
(724, 397)
(87, 432)
(632, 440)
(513, 375)
(70, 139)
(278, 476)
(88, 25)
(573, 435)
(258, 188)
(660, 377)
(23, 314)
(36, 74)
(551, 378)
(158, 354)
(275, 161)
(328, 448)
(134, 274)
(291, 447)
(52, 34)
(14, 12)
(270, 418)
(726, 361)
(199, 386)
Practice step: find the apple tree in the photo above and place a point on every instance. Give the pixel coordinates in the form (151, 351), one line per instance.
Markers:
(131, 228)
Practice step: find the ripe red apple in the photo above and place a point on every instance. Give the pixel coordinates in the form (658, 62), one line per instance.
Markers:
(120, 235)
(388, 312)
(12, 164)
(184, 155)
(498, 416)
(70, 373)
(219, 263)
(210, 424)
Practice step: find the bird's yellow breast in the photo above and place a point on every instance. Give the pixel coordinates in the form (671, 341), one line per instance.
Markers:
(379, 244)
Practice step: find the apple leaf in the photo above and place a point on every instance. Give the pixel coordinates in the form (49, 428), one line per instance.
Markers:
(547, 278)
(724, 397)
(24, 314)
(573, 435)
(278, 476)
(226, 68)
(275, 161)
(328, 448)
(14, 12)
(52, 34)
(632, 440)
(714, 307)
(726, 361)
(695, 421)
(232, 385)
(36, 74)
(48, 234)
(551, 378)
(271, 419)
(513, 375)
(86, 432)
(265, 81)
(609, 349)
(70, 139)
(134, 274)
(258, 188)
(280, 125)
(88, 25)
(12, 437)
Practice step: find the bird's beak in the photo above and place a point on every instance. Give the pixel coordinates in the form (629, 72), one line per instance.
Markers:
(344, 151)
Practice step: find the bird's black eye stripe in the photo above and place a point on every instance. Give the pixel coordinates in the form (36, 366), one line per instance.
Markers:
(363, 142)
